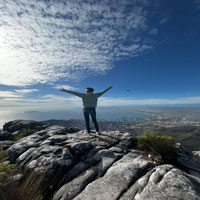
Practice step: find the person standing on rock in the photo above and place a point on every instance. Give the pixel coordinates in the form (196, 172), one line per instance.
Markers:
(89, 105)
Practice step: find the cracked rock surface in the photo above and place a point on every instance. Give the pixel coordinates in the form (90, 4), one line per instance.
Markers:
(98, 167)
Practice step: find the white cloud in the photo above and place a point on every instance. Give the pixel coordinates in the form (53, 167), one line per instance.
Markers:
(165, 19)
(44, 41)
(25, 91)
(66, 87)
(49, 102)
(122, 102)
(53, 102)
(16, 93)
(9, 94)
(153, 31)
(60, 101)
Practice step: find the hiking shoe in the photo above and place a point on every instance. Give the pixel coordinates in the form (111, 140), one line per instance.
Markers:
(97, 133)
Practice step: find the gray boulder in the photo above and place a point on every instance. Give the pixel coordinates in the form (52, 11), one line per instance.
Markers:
(6, 144)
(164, 182)
(197, 154)
(117, 178)
(4, 135)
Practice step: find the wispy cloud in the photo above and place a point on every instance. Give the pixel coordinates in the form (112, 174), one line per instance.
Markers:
(49, 102)
(164, 19)
(9, 94)
(25, 91)
(17, 93)
(44, 41)
(122, 102)
(62, 102)
(197, 3)
(153, 31)
(67, 87)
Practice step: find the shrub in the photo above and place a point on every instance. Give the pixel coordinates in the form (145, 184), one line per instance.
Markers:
(6, 169)
(134, 142)
(162, 147)
(24, 133)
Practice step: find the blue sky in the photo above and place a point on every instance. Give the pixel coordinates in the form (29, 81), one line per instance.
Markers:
(147, 50)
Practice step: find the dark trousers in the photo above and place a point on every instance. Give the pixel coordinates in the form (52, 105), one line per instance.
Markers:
(87, 113)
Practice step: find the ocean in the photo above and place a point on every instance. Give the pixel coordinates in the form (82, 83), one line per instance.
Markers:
(102, 114)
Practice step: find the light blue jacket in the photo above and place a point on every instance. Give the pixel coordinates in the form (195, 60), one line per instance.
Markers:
(89, 99)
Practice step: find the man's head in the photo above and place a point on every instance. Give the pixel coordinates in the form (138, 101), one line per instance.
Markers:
(88, 89)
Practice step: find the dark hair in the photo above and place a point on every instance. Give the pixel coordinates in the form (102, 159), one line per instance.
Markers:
(90, 89)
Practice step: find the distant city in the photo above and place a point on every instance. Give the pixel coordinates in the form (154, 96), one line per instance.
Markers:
(140, 119)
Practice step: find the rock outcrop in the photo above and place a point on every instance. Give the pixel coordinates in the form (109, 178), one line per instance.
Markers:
(18, 125)
(73, 165)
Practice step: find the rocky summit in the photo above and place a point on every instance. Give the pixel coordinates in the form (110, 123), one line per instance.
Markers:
(62, 163)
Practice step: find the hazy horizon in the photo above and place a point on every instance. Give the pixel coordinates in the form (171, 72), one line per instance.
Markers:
(102, 115)
(123, 113)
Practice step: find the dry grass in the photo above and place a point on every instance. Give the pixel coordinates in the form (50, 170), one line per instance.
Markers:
(26, 189)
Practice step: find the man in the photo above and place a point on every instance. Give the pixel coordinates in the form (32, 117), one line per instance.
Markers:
(89, 105)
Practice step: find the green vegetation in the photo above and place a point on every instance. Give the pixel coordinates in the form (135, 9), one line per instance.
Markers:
(24, 133)
(29, 188)
(189, 137)
(161, 147)
(6, 169)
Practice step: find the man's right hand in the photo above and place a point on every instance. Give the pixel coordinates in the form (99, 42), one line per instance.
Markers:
(110, 87)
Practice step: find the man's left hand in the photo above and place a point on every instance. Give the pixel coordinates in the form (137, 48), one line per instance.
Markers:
(62, 90)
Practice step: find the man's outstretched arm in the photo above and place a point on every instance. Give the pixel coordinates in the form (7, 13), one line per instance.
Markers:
(72, 92)
(101, 93)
